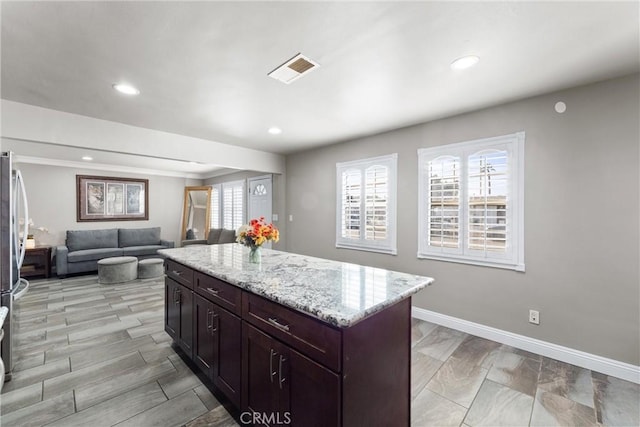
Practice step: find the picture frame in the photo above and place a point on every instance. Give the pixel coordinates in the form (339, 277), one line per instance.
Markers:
(105, 198)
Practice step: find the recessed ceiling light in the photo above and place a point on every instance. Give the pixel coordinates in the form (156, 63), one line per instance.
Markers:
(465, 62)
(126, 89)
(87, 158)
(275, 130)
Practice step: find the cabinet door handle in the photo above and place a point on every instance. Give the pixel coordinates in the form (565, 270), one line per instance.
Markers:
(178, 294)
(209, 319)
(278, 325)
(214, 322)
(272, 373)
(281, 377)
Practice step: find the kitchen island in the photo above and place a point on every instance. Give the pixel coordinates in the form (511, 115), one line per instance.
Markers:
(294, 339)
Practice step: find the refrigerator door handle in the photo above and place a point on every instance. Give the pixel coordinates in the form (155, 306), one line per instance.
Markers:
(20, 189)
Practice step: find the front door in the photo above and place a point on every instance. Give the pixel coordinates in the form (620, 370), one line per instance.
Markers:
(260, 199)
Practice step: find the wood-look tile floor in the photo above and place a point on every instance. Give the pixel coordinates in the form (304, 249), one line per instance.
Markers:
(97, 355)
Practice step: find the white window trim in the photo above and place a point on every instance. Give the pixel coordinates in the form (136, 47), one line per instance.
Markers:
(389, 246)
(515, 147)
(221, 187)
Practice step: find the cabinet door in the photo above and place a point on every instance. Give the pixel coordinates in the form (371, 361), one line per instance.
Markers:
(314, 392)
(227, 366)
(185, 297)
(203, 345)
(261, 356)
(172, 309)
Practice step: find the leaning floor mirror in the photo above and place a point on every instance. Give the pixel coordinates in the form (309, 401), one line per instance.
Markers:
(195, 217)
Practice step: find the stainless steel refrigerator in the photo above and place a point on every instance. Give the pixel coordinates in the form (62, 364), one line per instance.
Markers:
(14, 228)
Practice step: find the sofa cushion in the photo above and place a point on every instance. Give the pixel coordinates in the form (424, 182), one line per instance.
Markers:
(92, 239)
(141, 250)
(214, 236)
(93, 254)
(138, 236)
(227, 236)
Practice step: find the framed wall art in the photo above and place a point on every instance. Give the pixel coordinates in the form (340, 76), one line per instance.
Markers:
(103, 198)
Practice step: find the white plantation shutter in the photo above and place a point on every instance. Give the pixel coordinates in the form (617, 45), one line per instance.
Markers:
(487, 201)
(366, 204)
(376, 200)
(215, 206)
(471, 202)
(232, 205)
(351, 200)
(443, 189)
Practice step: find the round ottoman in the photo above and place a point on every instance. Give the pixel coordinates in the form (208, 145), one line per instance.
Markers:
(150, 267)
(117, 269)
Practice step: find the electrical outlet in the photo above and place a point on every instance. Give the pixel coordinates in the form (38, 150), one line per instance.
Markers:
(534, 317)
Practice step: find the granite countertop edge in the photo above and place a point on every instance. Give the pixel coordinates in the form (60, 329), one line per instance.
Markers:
(331, 317)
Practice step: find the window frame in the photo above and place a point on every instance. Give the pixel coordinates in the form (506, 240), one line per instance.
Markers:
(388, 245)
(513, 258)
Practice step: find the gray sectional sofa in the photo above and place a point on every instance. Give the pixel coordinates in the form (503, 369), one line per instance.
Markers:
(84, 248)
(216, 236)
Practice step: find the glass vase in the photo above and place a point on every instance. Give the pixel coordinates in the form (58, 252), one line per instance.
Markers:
(255, 255)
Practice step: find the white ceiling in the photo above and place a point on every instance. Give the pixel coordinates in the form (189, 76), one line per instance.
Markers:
(202, 67)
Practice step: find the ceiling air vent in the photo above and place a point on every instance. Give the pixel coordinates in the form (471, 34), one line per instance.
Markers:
(293, 69)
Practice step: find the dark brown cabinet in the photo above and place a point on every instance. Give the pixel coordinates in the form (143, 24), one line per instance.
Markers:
(284, 387)
(217, 349)
(179, 314)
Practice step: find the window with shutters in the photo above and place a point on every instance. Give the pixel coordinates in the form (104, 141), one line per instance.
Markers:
(366, 204)
(227, 205)
(471, 202)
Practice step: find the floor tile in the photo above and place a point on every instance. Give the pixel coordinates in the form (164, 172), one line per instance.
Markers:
(475, 350)
(517, 372)
(117, 409)
(36, 375)
(218, 417)
(41, 413)
(440, 343)
(423, 368)
(207, 397)
(552, 410)
(106, 369)
(431, 409)
(617, 401)
(180, 410)
(20, 398)
(497, 405)
(93, 393)
(566, 380)
(179, 381)
(420, 329)
(458, 381)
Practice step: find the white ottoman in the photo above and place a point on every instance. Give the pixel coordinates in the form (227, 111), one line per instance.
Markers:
(150, 267)
(117, 269)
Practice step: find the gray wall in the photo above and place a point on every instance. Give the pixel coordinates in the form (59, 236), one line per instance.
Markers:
(581, 218)
(51, 191)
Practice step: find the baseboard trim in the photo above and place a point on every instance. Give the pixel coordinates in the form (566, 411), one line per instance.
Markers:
(594, 362)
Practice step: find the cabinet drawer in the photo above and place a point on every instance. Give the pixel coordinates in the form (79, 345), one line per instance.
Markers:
(309, 336)
(219, 292)
(179, 273)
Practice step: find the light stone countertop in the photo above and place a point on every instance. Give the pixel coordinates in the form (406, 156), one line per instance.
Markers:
(338, 293)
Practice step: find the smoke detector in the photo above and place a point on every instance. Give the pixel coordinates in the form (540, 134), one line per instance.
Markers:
(294, 68)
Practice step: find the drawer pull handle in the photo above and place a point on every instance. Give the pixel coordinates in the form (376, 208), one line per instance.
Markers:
(278, 325)
(272, 373)
(177, 273)
(281, 378)
(213, 291)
